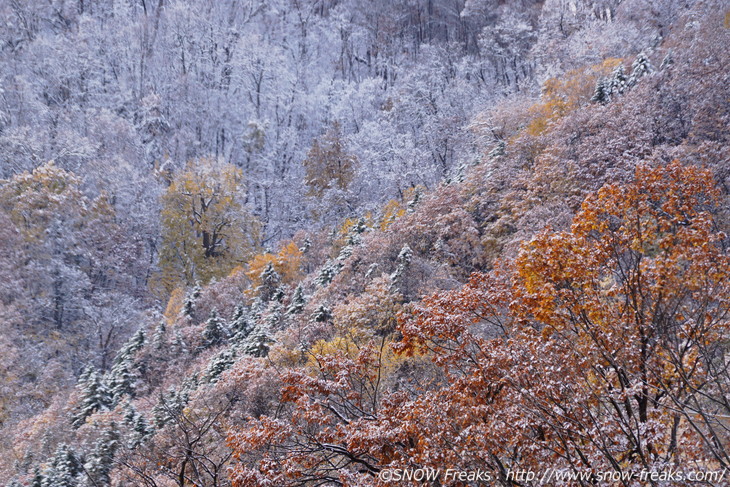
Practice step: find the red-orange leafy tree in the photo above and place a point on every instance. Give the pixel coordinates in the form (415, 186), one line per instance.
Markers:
(601, 348)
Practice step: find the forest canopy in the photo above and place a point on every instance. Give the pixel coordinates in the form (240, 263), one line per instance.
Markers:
(342, 243)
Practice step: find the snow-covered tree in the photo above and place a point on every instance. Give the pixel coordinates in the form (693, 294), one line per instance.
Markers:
(639, 68)
(160, 336)
(241, 324)
(215, 331)
(618, 81)
(297, 301)
(95, 395)
(121, 379)
(63, 470)
(328, 272)
(259, 341)
(191, 300)
(402, 262)
(321, 314)
(100, 463)
(602, 93)
(270, 281)
(218, 364)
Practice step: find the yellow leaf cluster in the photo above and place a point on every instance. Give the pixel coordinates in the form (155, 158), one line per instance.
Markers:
(287, 263)
(206, 231)
(561, 96)
(174, 305)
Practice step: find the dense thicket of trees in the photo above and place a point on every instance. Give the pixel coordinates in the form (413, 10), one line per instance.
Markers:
(300, 242)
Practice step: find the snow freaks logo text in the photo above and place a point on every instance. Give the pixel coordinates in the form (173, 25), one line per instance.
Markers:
(548, 476)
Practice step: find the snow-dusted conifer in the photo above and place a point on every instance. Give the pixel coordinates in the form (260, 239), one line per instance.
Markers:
(172, 403)
(270, 281)
(602, 93)
(259, 342)
(403, 261)
(499, 150)
(178, 343)
(306, 245)
(328, 273)
(618, 81)
(94, 396)
(191, 301)
(141, 430)
(63, 470)
(321, 314)
(410, 208)
(641, 67)
(158, 339)
(101, 461)
(297, 301)
(215, 331)
(667, 61)
(122, 378)
(37, 480)
(241, 325)
(218, 364)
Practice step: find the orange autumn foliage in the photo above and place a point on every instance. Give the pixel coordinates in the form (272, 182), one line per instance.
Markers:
(600, 348)
(287, 263)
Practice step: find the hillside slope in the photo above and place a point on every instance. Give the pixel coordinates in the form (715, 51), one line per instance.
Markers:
(559, 301)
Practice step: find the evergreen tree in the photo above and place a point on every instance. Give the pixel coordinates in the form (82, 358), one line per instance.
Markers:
(358, 229)
(85, 374)
(297, 301)
(99, 466)
(456, 176)
(270, 281)
(178, 343)
(410, 208)
(667, 61)
(133, 345)
(259, 342)
(172, 403)
(191, 300)
(279, 294)
(499, 150)
(140, 429)
(94, 396)
(37, 480)
(618, 81)
(602, 93)
(328, 273)
(345, 252)
(218, 364)
(371, 270)
(14, 483)
(63, 470)
(158, 339)
(321, 314)
(241, 325)
(130, 412)
(122, 378)
(215, 331)
(641, 67)
(403, 261)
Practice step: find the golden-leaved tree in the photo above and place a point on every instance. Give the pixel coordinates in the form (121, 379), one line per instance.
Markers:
(328, 164)
(206, 230)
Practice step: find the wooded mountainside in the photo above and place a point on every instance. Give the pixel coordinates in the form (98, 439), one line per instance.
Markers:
(302, 242)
